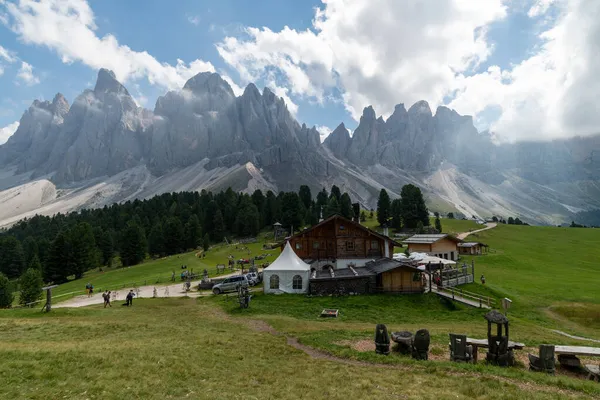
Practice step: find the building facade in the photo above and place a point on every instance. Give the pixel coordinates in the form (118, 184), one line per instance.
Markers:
(438, 245)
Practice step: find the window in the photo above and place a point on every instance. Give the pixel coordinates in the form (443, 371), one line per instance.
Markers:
(274, 282)
(315, 245)
(350, 246)
(298, 245)
(297, 282)
(374, 245)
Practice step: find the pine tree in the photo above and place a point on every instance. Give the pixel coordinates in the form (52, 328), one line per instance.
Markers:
(6, 293)
(396, 213)
(30, 249)
(333, 208)
(305, 196)
(337, 193)
(218, 232)
(31, 286)
(107, 250)
(511, 221)
(133, 247)
(59, 259)
(12, 259)
(156, 241)
(35, 264)
(438, 224)
(346, 206)
(192, 233)
(383, 207)
(450, 215)
(271, 211)
(83, 249)
(363, 216)
(413, 207)
(247, 218)
(173, 236)
(206, 242)
(292, 212)
(420, 227)
(322, 198)
(259, 200)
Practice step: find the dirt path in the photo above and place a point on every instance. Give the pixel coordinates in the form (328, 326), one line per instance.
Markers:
(489, 225)
(175, 290)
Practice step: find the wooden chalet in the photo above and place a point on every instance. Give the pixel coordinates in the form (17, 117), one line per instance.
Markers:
(340, 242)
(472, 248)
(438, 245)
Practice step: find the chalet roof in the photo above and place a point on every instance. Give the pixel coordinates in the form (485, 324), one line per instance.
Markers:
(472, 244)
(348, 222)
(429, 238)
(387, 264)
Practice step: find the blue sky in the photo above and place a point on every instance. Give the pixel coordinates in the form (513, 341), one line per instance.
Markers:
(499, 60)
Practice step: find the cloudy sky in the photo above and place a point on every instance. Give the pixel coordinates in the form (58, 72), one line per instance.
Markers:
(525, 69)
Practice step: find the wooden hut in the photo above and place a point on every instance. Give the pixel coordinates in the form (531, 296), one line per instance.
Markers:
(439, 245)
(472, 248)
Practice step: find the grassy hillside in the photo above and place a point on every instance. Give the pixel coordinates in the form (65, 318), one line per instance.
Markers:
(452, 226)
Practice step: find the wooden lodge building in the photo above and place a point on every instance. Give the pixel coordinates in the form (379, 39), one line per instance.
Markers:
(346, 257)
(340, 242)
(438, 245)
(472, 248)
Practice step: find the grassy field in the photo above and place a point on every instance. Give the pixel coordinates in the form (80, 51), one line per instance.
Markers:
(451, 226)
(185, 348)
(158, 272)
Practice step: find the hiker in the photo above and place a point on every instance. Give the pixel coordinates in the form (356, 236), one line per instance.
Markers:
(482, 279)
(87, 288)
(91, 293)
(106, 297)
(129, 298)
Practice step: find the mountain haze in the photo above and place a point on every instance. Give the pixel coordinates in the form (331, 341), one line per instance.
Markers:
(104, 148)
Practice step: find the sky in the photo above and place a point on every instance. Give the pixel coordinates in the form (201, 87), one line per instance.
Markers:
(524, 69)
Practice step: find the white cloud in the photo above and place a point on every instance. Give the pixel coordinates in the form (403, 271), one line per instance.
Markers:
(26, 75)
(324, 131)
(7, 55)
(540, 7)
(551, 94)
(68, 28)
(193, 19)
(8, 131)
(377, 52)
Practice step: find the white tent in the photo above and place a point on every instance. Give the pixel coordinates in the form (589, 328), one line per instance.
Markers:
(423, 258)
(287, 274)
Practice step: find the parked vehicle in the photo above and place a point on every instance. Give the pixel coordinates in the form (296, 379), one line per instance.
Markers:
(230, 284)
(253, 278)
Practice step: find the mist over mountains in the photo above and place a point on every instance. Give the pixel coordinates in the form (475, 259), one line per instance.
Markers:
(104, 148)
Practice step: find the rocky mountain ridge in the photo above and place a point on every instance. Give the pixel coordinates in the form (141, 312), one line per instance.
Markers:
(253, 141)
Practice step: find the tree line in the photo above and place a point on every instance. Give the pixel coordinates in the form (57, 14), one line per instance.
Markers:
(407, 212)
(66, 245)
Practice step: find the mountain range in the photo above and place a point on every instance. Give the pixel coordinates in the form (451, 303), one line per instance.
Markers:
(104, 148)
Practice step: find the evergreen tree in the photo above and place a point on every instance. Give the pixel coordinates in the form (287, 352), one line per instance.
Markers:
(322, 198)
(133, 245)
(363, 216)
(156, 241)
(292, 212)
(495, 219)
(337, 193)
(206, 242)
(346, 206)
(174, 236)
(35, 264)
(218, 232)
(396, 213)
(305, 196)
(12, 259)
(192, 232)
(450, 215)
(247, 218)
(31, 286)
(420, 227)
(271, 211)
(333, 207)
(436, 214)
(6, 293)
(383, 207)
(30, 249)
(59, 259)
(43, 247)
(83, 247)
(518, 221)
(209, 219)
(371, 215)
(511, 221)
(259, 200)
(438, 224)
(413, 207)
(107, 249)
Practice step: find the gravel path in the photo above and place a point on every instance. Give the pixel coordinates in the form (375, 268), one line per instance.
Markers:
(489, 225)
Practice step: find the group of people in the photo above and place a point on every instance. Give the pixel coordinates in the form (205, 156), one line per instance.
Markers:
(89, 289)
(128, 299)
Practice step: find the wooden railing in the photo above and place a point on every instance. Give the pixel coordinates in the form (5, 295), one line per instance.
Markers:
(490, 302)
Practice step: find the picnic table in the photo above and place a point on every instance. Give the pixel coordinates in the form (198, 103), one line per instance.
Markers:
(567, 356)
(477, 343)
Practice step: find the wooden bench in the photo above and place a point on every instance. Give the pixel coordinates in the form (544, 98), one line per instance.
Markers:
(567, 355)
(477, 343)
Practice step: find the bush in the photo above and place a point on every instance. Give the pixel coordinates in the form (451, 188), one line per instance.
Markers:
(6, 295)
(31, 286)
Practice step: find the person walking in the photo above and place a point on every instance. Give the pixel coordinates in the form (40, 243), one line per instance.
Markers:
(87, 289)
(129, 298)
(108, 299)
(105, 297)
(482, 279)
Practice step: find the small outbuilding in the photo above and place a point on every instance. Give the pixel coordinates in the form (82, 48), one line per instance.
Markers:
(438, 245)
(287, 274)
(472, 248)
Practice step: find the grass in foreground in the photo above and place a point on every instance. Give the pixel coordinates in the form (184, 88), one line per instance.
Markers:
(177, 348)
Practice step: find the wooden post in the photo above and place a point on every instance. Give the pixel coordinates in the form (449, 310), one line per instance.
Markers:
(48, 306)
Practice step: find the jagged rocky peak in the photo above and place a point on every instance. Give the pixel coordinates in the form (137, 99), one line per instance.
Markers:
(420, 107)
(251, 91)
(368, 113)
(107, 83)
(209, 82)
